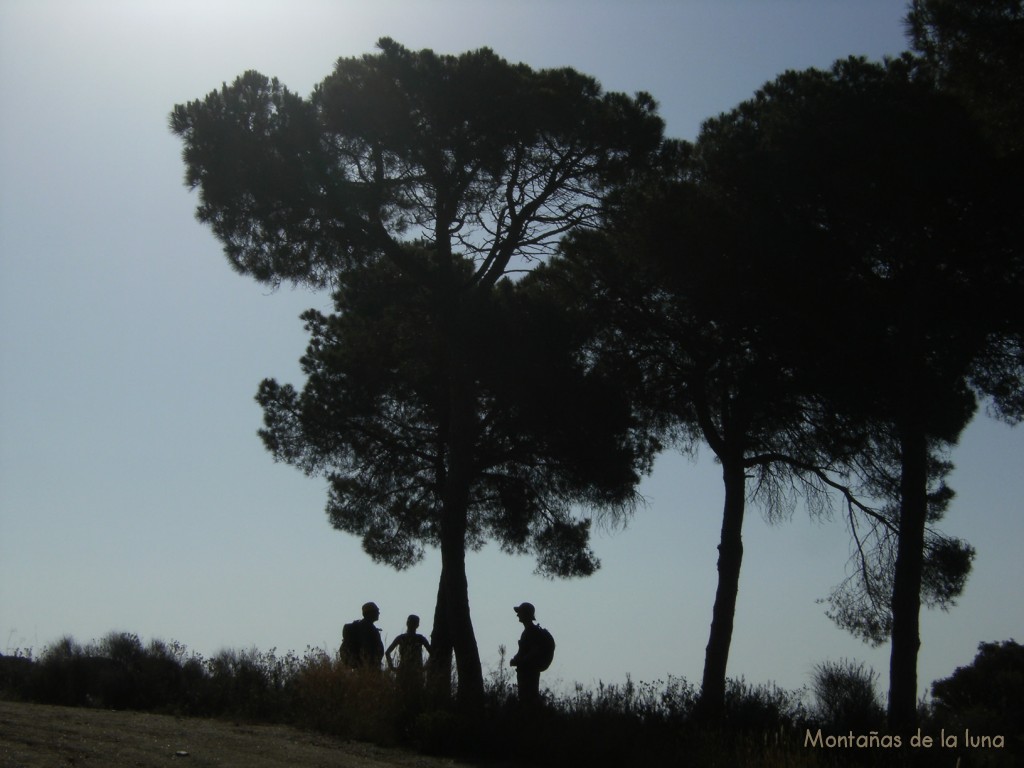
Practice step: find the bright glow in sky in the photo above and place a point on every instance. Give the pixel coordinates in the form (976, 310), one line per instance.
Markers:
(134, 493)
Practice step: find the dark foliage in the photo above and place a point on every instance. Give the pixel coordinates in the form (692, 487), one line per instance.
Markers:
(433, 176)
(375, 412)
(818, 288)
(605, 727)
(467, 153)
(874, 198)
(846, 696)
(986, 696)
(975, 49)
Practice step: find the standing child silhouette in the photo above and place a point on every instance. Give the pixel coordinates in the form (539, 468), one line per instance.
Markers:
(410, 647)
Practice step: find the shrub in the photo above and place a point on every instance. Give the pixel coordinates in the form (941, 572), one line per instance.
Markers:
(986, 697)
(359, 704)
(764, 707)
(631, 724)
(250, 684)
(67, 674)
(845, 696)
(610, 725)
(16, 675)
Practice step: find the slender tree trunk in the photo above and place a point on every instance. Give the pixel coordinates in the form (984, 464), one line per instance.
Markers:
(454, 582)
(730, 557)
(452, 631)
(467, 654)
(439, 670)
(906, 592)
(453, 626)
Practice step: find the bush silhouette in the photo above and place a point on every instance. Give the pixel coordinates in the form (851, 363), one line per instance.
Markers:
(987, 696)
(846, 696)
(645, 723)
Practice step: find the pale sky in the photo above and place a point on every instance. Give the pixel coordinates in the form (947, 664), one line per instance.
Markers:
(134, 493)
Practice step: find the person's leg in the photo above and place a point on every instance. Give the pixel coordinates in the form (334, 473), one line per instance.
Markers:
(529, 685)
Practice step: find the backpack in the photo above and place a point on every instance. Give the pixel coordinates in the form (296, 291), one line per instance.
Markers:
(351, 646)
(546, 644)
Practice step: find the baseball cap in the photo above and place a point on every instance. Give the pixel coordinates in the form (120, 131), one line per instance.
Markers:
(525, 609)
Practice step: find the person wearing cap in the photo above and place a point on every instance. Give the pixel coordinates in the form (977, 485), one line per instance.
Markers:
(528, 660)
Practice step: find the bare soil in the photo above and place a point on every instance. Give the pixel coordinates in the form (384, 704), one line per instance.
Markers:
(37, 736)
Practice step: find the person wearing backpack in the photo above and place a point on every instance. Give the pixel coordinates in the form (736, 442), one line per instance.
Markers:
(361, 645)
(536, 650)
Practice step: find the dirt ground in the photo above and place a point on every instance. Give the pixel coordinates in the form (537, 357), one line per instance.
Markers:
(36, 736)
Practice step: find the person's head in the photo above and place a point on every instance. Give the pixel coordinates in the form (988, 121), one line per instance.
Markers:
(371, 611)
(413, 622)
(525, 612)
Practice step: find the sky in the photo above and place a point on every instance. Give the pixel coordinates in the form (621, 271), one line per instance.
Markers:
(135, 495)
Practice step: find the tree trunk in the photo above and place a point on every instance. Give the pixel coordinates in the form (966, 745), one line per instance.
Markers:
(906, 592)
(454, 583)
(456, 587)
(452, 631)
(439, 670)
(730, 557)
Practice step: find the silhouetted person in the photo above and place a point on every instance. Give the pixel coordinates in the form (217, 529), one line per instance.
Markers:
(410, 647)
(361, 645)
(529, 661)
(409, 677)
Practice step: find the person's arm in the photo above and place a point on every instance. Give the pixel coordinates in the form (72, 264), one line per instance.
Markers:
(390, 649)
